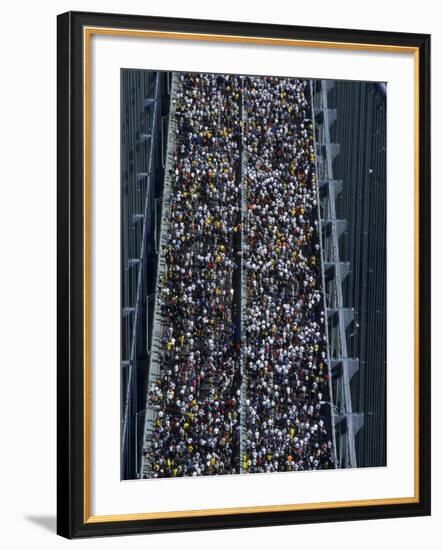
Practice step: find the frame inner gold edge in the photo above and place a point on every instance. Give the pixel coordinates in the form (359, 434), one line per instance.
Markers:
(87, 33)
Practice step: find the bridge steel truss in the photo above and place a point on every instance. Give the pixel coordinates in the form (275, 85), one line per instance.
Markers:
(141, 162)
(346, 421)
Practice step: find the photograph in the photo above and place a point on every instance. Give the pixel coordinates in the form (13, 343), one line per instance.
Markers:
(253, 274)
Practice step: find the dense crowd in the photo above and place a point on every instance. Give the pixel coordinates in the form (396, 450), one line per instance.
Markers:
(198, 392)
(197, 429)
(285, 351)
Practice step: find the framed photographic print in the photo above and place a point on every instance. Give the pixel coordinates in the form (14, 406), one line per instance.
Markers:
(243, 274)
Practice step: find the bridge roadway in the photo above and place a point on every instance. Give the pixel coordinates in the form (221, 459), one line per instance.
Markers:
(154, 358)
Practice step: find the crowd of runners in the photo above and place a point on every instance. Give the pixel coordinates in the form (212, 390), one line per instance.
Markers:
(264, 124)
